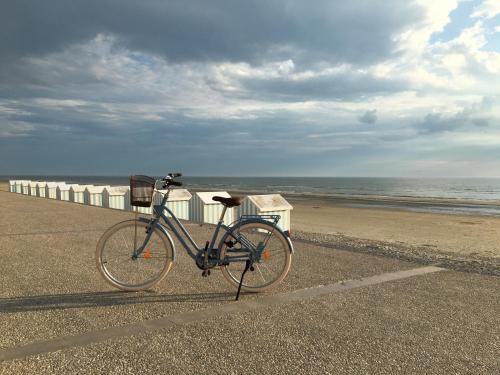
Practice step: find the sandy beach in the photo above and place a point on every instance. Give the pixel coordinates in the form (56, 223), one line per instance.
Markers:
(458, 234)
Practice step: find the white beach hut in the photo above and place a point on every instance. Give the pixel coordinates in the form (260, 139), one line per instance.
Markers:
(269, 204)
(178, 202)
(202, 209)
(119, 198)
(51, 189)
(143, 210)
(34, 188)
(26, 187)
(97, 195)
(41, 188)
(12, 186)
(19, 186)
(62, 192)
(77, 193)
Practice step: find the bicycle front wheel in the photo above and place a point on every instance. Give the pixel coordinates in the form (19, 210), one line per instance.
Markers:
(121, 263)
(275, 261)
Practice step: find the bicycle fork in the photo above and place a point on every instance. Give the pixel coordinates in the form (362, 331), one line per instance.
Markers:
(149, 231)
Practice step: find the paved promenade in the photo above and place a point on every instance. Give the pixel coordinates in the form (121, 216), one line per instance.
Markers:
(337, 312)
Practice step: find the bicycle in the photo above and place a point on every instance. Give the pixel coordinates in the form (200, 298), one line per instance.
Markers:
(137, 254)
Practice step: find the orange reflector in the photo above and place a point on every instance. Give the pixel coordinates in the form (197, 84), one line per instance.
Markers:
(266, 255)
(147, 254)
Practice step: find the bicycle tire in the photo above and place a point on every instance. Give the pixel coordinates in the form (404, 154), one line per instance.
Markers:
(280, 253)
(116, 265)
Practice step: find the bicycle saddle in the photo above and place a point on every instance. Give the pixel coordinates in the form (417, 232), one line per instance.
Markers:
(228, 202)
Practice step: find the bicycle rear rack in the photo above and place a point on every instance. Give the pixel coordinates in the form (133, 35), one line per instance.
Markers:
(271, 218)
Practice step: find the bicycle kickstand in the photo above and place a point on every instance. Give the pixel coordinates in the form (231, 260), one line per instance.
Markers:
(248, 265)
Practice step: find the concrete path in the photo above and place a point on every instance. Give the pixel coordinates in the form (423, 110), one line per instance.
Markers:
(337, 312)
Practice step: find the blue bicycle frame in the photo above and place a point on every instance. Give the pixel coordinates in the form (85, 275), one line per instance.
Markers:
(193, 249)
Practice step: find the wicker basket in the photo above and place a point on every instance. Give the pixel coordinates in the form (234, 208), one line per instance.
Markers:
(141, 190)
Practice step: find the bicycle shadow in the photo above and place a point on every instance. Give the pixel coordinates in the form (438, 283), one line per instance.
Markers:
(102, 299)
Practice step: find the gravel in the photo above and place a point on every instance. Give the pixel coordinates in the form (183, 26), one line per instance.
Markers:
(404, 252)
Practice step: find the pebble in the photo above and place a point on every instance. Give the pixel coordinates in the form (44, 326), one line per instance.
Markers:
(421, 255)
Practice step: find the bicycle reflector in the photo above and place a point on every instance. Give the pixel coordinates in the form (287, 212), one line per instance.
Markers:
(266, 255)
(147, 254)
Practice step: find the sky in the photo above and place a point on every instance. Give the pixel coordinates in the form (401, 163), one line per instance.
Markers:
(250, 88)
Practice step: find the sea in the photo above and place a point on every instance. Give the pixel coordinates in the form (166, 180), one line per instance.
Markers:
(368, 191)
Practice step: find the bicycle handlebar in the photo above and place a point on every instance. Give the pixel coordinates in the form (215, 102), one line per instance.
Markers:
(168, 180)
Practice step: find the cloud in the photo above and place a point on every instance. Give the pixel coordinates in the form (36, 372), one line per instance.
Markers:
(487, 9)
(340, 84)
(86, 83)
(474, 115)
(249, 31)
(369, 117)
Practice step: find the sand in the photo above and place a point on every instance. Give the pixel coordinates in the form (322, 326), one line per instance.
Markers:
(464, 235)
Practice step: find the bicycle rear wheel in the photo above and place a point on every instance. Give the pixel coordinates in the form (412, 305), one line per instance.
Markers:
(116, 261)
(272, 268)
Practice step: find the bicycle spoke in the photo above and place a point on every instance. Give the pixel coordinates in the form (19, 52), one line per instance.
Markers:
(267, 268)
(124, 242)
(260, 272)
(127, 273)
(275, 257)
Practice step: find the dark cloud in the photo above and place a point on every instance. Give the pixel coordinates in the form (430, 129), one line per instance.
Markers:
(358, 32)
(348, 85)
(100, 86)
(438, 123)
(369, 117)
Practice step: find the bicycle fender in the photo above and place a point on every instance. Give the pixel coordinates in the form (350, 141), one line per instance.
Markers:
(255, 220)
(162, 229)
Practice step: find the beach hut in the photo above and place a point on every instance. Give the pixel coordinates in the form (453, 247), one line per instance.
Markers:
(25, 185)
(97, 195)
(119, 198)
(62, 192)
(42, 189)
(269, 204)
(178, 202)
(34, 188)
(12, 186)
(143, 210)
(51, 189)
(77, 193)
(202, 209)
(19, 186)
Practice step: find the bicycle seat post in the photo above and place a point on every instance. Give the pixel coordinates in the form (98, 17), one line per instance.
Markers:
(223, 213)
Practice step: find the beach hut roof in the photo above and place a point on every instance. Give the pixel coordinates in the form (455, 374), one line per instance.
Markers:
(97, 189)
(65, 187)
(118, 190)
(206, 197)
(54, 184)
(41, 183)
(25, 182)
(78, 188)
(178, 195)
(270, 202)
